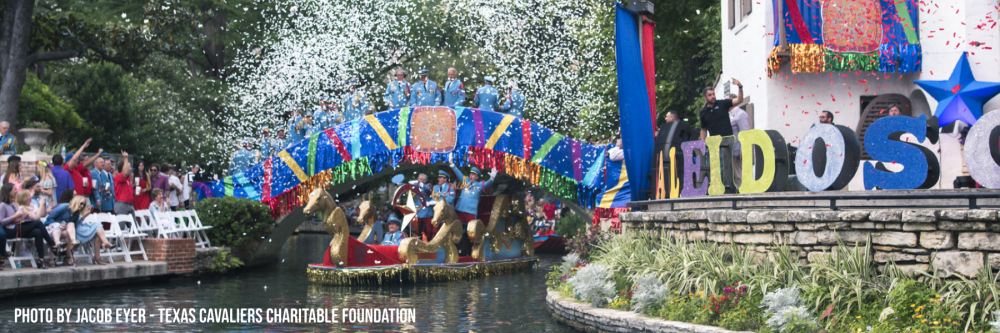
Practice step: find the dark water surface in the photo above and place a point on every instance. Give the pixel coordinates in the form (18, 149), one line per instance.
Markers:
(504, 303)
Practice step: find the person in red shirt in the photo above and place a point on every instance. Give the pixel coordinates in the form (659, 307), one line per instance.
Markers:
(78, 170)
(124, 189)
(545, 231)
(550, 210)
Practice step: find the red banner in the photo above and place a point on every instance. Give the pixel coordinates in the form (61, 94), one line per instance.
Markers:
(649, 66)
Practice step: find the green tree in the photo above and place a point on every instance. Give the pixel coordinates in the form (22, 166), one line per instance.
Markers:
(39, 103)
(104, 96)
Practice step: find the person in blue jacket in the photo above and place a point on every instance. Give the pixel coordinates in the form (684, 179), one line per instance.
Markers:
(487, 96)
(321, 118)
(266, 142)
(514, 104)
(355, 105)
(397, 93)
(295, 130)
(471, 188)
(392, 235)
(425, 92)
(454, 90)
(242, 159)
(8, 143)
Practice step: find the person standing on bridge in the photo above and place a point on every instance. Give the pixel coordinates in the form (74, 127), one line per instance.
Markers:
(355, 104)
(242, 159)
(454, 90)
(278, 143)
(514, 103)
(266, 142)
(321, 119)
(425, 92)
(487, 96)
(397, 93)
(295, 130)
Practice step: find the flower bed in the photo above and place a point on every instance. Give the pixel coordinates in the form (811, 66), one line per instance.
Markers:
(737, 289)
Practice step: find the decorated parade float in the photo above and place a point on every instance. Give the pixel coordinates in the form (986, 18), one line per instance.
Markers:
(308, 176)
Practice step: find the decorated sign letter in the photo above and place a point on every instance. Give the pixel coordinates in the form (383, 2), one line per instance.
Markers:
(771, 157)
(838, 166)
(920, 166)
(694, 179)
(720, 158)
(982, 150)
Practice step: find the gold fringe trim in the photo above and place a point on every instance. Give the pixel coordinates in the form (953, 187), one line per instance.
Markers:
(401, 274)
(774, 61)
(318, 180)
(808, 58)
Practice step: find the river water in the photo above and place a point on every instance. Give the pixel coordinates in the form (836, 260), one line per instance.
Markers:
(504, 303)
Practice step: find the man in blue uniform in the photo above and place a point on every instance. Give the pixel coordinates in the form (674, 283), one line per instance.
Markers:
(321, 118)
(8, 143)
(355, 104)
(392, 234)
(425, 92)
(514, 105)
(397, 93)
(444, 191)
(243, 159)
(312, 127)
(487, 96)
(425, 214)
(266, 142)
(454, 90)
(468, 203)
(279, 142)
(295, 130)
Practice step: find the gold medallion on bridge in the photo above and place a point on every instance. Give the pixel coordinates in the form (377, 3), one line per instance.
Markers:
(433, 129)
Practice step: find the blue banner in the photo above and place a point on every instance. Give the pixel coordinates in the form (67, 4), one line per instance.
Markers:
(633, 102)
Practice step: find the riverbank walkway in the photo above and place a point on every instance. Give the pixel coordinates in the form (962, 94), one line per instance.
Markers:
(33, 280)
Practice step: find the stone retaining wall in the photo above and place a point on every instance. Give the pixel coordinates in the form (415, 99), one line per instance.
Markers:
(585, 318)
(949, 241)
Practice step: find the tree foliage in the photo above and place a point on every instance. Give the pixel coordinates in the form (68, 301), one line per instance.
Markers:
(39, 103)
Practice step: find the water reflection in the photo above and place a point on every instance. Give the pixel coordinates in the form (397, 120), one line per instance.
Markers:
(505, 303)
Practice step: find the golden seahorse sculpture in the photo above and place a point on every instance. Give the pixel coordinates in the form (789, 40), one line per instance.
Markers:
(511, 210)
(366, 215)
(334, 221)
(447, 236)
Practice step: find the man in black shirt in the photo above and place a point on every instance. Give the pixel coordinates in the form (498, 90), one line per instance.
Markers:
(714, 115)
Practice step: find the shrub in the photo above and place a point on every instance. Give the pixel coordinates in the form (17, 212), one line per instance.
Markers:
(786, 315)
(225, 262)
(648, 291)
(591, 284)
(571, 224)
(238, 223)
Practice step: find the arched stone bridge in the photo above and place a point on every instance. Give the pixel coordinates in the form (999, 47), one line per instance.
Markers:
(394, 141)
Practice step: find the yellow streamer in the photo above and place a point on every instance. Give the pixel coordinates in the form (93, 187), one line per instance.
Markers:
(377, 125)
(497, 133)
(287, 158)
(609, 196)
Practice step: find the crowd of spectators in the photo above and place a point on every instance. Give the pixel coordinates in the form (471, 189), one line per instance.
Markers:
(83, 184)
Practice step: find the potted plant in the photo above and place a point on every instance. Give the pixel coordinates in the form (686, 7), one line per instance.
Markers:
(36, 135)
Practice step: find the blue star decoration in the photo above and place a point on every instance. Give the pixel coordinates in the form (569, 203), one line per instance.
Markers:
(960, 97)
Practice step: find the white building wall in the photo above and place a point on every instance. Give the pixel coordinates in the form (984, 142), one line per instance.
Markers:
(791, 103)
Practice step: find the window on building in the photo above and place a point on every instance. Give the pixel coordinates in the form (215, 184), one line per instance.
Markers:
(738, 11)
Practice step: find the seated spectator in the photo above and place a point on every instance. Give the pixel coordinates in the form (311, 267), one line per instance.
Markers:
(48, 183)
(59, 225)
(85, 231)
(159, 204)
(23, 222)
(545, 231)
(616, 153)
(39, 200)
(392, 236)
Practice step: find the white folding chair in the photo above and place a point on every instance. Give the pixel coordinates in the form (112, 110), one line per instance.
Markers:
(167, 223)
(201, 228)
(22, 249)
(145, 223)
(113, 233)
(85, 251)
(196, 230)
(129, 232)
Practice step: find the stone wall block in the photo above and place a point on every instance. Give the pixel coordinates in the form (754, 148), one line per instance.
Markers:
(963, 263)
(895, 238)
(938, 240)
(994, 260)
(962, 226)
(736, 216)
(886, 216)
(630, 216)
(892, 226)
(765, 227)
(982, 215)
(983, 241)
(884, 257)
(919, 227)
(863, 225)
(720, 237)
(838, 225)
(847, 236)
(784, 227)
(853, 215)
(757, 216)
(824, 216)
(753, 238)
(805, 238)
(717, 216)
(777, 216)
(810, 226)
(920, 215)
(953, 214)
(797, 216)
(688, 226)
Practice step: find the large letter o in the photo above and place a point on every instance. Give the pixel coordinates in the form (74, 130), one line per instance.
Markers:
(981, 149)
(843, 153)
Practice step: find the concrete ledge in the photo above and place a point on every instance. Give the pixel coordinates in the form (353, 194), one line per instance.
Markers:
(586, 318)
(31, 280)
